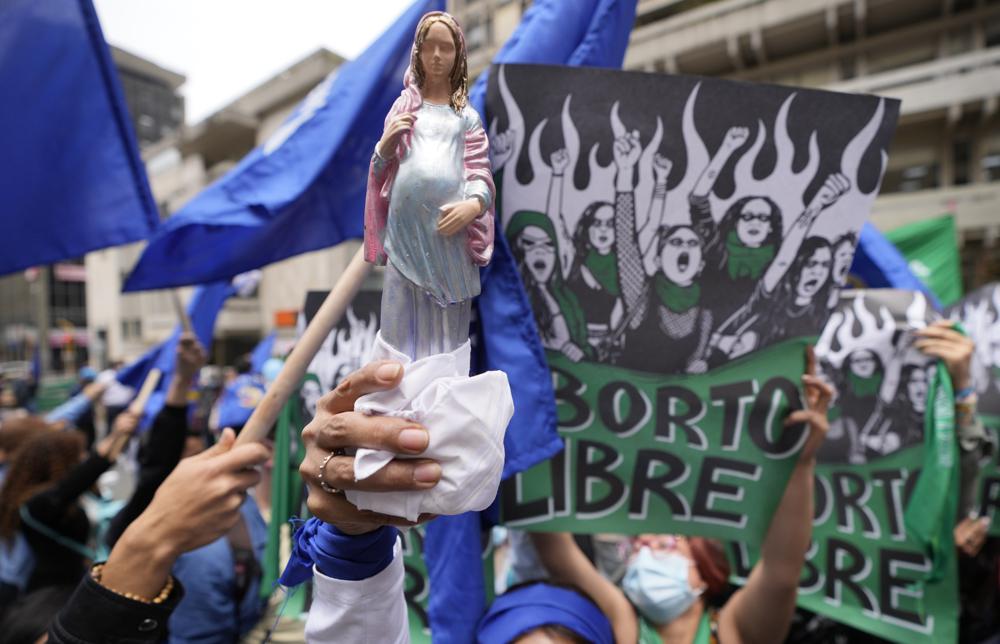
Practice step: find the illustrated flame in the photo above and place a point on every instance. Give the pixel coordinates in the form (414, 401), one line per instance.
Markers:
(784, 185)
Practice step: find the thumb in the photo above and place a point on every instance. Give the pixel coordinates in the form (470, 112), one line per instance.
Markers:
(223, 445)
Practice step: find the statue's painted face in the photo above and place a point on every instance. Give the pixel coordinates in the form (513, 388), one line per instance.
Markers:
(681, 258)
(437, 53)
(754, 224)
(602, 230)
(814, 274)
(539, 253)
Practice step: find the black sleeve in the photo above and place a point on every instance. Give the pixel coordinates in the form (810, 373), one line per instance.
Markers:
(158, 456)
(50, 506)
(95, 614)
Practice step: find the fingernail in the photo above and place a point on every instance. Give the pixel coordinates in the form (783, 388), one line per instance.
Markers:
(388, 372)
(414, 440)
(427, 473)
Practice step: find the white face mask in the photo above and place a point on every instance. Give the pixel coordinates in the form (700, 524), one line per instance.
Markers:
(658, 585)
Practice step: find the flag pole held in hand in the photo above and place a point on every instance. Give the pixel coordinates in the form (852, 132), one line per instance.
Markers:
(287, 382)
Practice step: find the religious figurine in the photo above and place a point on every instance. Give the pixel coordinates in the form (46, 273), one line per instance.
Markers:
(429, 209)
(429, 220)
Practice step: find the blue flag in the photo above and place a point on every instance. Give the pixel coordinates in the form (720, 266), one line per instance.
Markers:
(203, 309)
(590, 33)
(70, 173)
(262, 352)
(302, 190)
(879, 264)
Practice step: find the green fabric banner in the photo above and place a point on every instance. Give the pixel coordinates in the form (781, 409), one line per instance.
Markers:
(703, 455)
(931, 249)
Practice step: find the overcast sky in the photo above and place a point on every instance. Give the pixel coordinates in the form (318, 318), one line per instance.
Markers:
(227, 47)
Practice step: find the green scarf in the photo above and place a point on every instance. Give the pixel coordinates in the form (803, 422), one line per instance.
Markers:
(678, 299)
(745, 261)
(863, 387)
(604, 268)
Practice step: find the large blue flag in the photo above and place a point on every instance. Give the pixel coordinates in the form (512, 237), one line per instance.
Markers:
(70, 173)
(203, 309)
(591, 33)
(879, 264)
(302, 190)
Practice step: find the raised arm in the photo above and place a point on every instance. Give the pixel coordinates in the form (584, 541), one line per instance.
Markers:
(735, 137)
(835, 185)
(565, 562)
(627, 150)
(648, 232)
(553, 208)
(773, 584)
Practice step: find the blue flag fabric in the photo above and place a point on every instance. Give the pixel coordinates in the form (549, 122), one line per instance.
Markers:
(302, 190)
(262, 352)
(879, 264)
(591, 33)
(71, 176)
(239, 399)
(203, 309)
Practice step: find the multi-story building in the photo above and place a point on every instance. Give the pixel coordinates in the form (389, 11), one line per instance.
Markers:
(179, 166)
(941, 57)
(152, 96)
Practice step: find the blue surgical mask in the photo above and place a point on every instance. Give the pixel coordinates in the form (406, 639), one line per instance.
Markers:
(658, 585)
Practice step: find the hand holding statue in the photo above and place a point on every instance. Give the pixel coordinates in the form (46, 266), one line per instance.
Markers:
(337, 428)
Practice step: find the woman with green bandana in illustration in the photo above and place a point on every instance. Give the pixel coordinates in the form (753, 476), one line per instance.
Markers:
(587, 256)
(857, 388)
(561, 322)
(741, 246)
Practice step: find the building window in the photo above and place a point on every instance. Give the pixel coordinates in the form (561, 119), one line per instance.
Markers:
(962, 161)
(991, 166)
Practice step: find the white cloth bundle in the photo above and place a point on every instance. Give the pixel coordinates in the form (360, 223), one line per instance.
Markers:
(466, 419)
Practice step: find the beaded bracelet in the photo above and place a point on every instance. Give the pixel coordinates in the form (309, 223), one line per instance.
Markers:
(96, 571)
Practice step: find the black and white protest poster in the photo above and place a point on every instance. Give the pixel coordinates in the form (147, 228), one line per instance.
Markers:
(681, 240)
(344, 350)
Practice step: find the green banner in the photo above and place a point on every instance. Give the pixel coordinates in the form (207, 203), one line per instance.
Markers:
(704, 455)
(931, 249)
(863, 569)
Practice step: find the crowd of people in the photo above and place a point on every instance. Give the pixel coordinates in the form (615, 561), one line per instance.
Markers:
(182, 554)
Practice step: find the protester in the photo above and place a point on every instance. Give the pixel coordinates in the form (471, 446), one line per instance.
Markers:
(40, 499)
(131, 596)
(164, 443)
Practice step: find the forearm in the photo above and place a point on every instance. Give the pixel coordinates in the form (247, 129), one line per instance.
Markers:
(707, 178)
(178, 390)
(140, 562)
(784, 549)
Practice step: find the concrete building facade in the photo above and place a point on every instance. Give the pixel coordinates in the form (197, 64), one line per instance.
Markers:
(941, 57)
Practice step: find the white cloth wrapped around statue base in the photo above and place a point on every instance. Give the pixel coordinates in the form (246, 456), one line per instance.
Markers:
(466, 419)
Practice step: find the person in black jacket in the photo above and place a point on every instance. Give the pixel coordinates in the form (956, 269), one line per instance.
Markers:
(163, 445)
(48, 475)
(130, 597)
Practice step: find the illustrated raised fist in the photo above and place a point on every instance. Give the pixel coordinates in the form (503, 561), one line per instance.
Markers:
(735, 137)
(627, 150)
(661, 168)
(560, 161)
